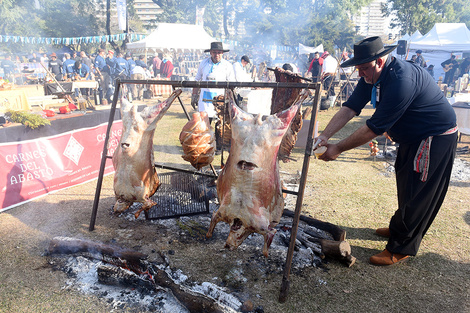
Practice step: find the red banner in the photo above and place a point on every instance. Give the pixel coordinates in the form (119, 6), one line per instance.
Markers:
(30, 169)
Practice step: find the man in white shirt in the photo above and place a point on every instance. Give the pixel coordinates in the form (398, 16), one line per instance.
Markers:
(329, 68)
(239, 68)
(214, 68)
(138, 73)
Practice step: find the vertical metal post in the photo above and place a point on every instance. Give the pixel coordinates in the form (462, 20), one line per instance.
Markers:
(298, 206)
(104, 157)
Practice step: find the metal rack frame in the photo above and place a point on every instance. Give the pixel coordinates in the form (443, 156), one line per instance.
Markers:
(227, 85)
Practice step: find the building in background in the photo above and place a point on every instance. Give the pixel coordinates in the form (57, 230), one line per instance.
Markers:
(370, 21)
(147, 10)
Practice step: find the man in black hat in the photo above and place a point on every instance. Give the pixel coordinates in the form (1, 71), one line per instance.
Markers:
(214, 68)
(412, 110)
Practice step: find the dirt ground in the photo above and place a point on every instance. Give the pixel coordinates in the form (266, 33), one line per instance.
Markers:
(29, 283)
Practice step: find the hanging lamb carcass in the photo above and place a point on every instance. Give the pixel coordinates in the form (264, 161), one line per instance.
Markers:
(135, 178)
(249, 186)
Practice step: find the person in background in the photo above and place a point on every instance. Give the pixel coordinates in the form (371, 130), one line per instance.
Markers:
(419, 59)
(430, 70)
(239, 69)
(130, 63)
(412, 110)
(287, 67)
(34, 58)
(141, 61)
(345, 72)
(87, 61)
(68, 66)
(44, 59)
(166, 67)
(75, 56)
(102, 74)
(315, 67)
(156, 65)
(329, 68)
(464, 67)
(81, 72)
(138, 73)
(56, 67)
(122, 67)
(213, 68)
(9, 69)
(449, 66)
(113, 69)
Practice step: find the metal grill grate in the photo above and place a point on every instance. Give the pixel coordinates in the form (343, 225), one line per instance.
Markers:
(181, 194)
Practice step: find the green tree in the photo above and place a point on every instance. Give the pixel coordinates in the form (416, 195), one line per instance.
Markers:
(423, 14)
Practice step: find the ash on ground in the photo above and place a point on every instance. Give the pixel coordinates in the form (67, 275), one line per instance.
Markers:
(83, 276)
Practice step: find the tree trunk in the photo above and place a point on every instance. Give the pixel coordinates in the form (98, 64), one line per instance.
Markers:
(227, 34)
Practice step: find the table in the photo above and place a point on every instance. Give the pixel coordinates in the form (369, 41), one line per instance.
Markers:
(69, 87)
(14, 99)
(462, 110)
(160, 90)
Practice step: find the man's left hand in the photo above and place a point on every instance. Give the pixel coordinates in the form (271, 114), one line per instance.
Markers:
(331, 153)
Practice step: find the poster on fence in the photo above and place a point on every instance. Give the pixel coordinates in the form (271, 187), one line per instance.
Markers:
(33, 168)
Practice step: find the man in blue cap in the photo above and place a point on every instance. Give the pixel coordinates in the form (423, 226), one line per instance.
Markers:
(413, 111)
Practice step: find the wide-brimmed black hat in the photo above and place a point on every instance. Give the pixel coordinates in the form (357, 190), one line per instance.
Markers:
(217, 45)
(368, 50)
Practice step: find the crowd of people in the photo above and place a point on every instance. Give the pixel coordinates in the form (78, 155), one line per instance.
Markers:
(409, 108)
(107, 65)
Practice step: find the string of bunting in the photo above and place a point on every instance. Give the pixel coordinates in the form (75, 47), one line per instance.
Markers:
(107, 38)
(70, 40)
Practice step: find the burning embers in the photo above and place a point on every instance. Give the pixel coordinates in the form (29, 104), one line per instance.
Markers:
(126, 278)
(161, 290)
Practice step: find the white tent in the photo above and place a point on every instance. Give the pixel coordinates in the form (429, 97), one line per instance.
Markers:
(307, 50)
(449, 37)
(174, 37)
(416, 36)
(438, 44)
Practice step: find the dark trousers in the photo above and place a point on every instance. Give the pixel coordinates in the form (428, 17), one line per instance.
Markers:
(327, 82)
(419, 202)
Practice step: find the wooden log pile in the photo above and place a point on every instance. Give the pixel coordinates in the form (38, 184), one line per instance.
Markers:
(325, 239)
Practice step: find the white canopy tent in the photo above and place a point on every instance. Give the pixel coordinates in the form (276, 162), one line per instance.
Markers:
(307, 50)
(173, 37)
(438, 44)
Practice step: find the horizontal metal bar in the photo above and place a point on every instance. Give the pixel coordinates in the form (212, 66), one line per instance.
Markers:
(166, 167)
(218, 84)
(290, 192)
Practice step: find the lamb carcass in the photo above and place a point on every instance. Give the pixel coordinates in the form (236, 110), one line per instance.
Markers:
(198, 141)
(135, 178)
(282, 99)
(249, 186)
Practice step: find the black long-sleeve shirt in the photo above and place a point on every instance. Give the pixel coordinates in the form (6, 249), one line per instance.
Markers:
(410, 106)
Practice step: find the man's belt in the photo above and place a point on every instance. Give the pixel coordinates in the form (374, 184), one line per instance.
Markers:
(422, 157)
